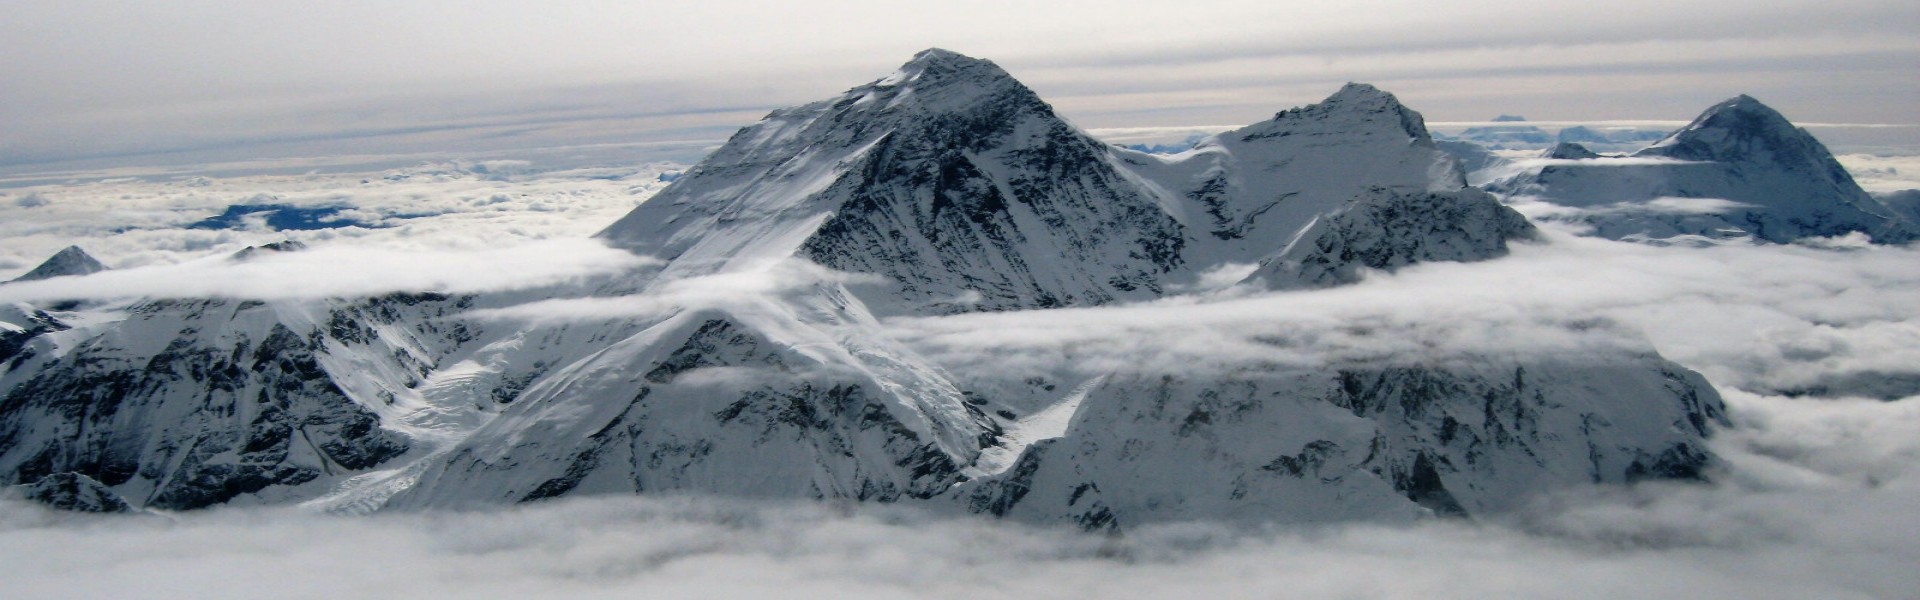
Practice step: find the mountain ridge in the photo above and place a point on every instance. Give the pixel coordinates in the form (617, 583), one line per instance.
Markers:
(1740, 168)
(945, 187)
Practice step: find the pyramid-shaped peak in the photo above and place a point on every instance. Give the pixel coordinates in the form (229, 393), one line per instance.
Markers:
(68, 261)
(1360, 92)
(1357, 106)
(1354, 98)
(936, 65)
(943, 56)
(1738, 129)
(1742, 110)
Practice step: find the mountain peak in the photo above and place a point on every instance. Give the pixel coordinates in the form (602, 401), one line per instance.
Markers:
(1355, 105)
(68, 261)
(943, 56)
(936, 66)
(1361, 92)
(252, 252)
(1739, 129)
(1746, 108)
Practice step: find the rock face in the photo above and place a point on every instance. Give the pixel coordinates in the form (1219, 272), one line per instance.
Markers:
(1740, 169)
(963, 191)
(949, 178)
(739, 401)
(1245, 193)
(69, 261)
(75, 492)
(187, 403)
(1389, 229)
(1473, 437)
(741, 367)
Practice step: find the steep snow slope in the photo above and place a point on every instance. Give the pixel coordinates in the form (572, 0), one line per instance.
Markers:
(1740, 169)
(1244, 194)
(963, 191)
(792, 396)
(948, 177)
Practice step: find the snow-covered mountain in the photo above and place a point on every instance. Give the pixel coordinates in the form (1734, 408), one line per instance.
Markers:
(963, 191)
(790, 397)
(68, 261)
(740, 366)
(948, 178)
(1388, 229)
(1473, 436)
(1740, 169)
(1245, 194)
(186, 403)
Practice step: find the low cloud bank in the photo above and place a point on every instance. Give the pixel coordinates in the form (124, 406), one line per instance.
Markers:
(146, 219)
(1772, 318)
(1811, 504)
(343, 271)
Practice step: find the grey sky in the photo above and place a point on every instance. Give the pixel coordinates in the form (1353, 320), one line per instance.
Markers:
(91, 79)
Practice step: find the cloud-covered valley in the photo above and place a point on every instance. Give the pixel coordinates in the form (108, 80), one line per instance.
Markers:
(1816, 348)
(152, 218)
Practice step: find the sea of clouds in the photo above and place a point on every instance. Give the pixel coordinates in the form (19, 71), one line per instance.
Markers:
(1816, 348)
(1817, 502)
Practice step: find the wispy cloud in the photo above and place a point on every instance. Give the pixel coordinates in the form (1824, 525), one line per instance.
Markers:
(1768, 317)
(343, 271)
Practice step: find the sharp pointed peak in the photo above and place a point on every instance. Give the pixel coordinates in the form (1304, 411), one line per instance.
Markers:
(940, 63)
(1743, 104)
(1360, 91)
(1733, 128)
(933, 55)
(71, 260)
(940, 79)
(73, 252)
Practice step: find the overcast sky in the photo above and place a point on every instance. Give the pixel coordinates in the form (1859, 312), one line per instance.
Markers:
(91, 79)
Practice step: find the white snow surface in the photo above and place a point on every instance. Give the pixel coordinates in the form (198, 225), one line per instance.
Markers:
(1774, 182)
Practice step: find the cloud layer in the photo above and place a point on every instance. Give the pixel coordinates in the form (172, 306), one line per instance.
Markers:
(342, 271)
(1810, 508)
(98, 81)
(1769, 318)
(136, 217)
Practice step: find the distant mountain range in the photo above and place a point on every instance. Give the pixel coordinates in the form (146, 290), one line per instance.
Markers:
(945, 187)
